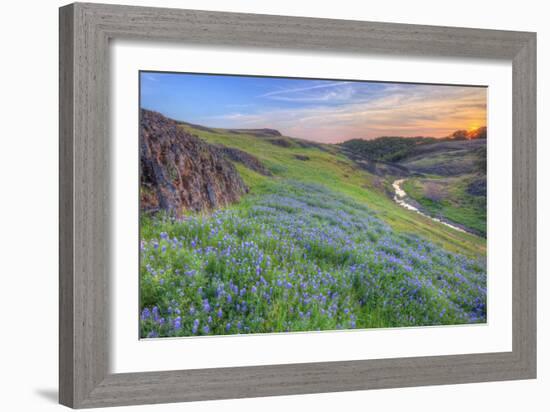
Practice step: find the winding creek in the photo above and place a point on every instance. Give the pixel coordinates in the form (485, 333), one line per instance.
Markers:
(400, 197)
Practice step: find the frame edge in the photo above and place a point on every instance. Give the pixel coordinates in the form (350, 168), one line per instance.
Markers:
(66, 193)
(524, 225)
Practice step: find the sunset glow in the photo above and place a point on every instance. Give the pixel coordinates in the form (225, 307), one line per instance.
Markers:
(328, 111)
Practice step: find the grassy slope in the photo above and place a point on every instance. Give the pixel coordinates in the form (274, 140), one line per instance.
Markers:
(456, 205)
(339, 174)
(449, 168)
(443, 164)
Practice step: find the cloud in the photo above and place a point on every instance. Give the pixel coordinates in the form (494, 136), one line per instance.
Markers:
(304, 89)
(404, 110)
(235, 119)
(343, 91)
(150, 78)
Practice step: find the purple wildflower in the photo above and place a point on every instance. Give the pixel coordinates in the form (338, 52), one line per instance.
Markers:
(145, 314)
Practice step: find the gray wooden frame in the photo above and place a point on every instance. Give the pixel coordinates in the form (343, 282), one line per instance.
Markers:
(85, 31)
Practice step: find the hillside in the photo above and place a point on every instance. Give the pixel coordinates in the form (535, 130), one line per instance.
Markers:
(397, 148)
(386, 148)
(265, 132)
(316, 243)
(446, 158)
(444, 178)
(329, 166)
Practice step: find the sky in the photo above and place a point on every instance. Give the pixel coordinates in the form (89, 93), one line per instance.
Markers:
(326, 111)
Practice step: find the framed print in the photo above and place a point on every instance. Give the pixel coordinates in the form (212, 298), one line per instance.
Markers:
(281, 222)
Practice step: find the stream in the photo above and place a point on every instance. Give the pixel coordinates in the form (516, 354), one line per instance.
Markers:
(400, 198)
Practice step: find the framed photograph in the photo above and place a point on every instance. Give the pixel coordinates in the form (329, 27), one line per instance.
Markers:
(257, 205)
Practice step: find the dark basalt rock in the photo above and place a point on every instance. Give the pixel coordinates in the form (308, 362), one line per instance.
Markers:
(181, 172)
(281, 142)
(246, 159)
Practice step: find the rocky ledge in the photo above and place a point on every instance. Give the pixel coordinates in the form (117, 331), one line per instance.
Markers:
(180, 172)
(250, 161)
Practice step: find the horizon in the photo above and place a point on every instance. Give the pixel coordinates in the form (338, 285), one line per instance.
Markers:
(323, 111)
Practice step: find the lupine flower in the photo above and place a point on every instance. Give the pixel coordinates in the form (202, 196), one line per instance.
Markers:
(195, 326)
(306, 247)
(156, 315)
(145, 314)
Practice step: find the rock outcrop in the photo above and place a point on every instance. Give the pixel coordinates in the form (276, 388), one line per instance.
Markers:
(246, 159)
(181, 172)
(257, 132)
(280, 142)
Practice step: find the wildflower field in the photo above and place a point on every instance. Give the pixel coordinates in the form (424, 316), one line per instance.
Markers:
(316, 246)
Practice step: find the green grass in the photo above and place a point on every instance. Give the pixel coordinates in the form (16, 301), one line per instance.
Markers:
(434, 160)
(297, 257)
(454, 203)
(317, 246)
(339, 174)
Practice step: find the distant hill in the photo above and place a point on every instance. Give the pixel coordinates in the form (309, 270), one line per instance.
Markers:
(271, 136)
(480, 133)
(447, 157)
(264, 132)
(444, 177)
(386, 148)
(397, 148)
(257, 132)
